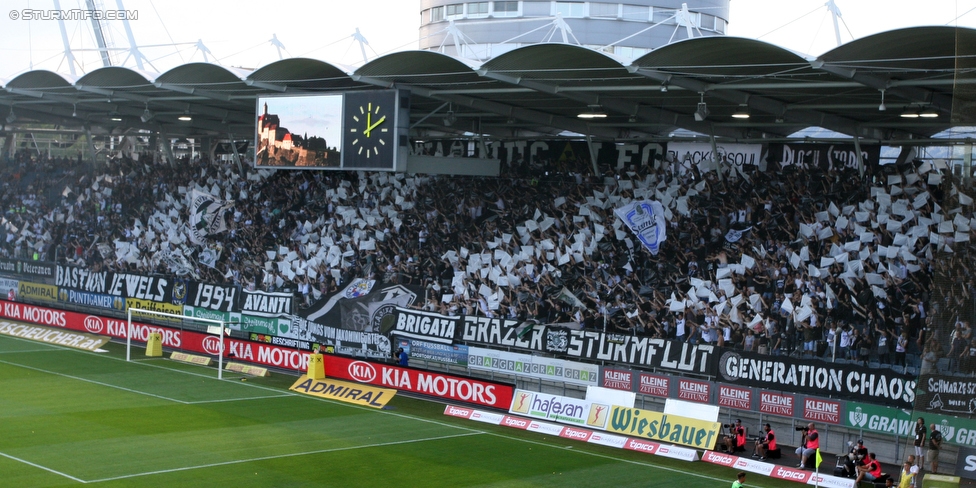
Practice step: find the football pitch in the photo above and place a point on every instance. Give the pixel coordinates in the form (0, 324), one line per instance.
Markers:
(70, 417)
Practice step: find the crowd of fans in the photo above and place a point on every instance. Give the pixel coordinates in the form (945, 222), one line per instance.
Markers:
(794, 260)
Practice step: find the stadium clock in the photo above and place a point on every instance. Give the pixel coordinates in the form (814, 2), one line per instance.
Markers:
(370, 130)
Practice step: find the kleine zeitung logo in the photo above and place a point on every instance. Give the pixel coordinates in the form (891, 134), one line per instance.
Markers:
(94, 324)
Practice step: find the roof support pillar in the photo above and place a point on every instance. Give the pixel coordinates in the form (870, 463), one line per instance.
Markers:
(857, 151)
(715, 161)
(237, 156)
(593, 153)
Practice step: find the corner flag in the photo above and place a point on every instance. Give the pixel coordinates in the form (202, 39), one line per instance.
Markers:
(819, 459)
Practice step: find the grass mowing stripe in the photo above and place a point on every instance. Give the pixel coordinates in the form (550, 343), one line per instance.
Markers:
(94, 382)
(280, 456)
(45, 468)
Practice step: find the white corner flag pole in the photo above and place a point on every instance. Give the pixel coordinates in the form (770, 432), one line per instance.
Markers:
(220, 356)
(128, 335)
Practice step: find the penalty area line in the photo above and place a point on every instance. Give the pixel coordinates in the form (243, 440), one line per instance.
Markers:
(45, 468)
(280, 456)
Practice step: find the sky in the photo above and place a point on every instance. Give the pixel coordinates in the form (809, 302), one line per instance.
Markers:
(239, 33)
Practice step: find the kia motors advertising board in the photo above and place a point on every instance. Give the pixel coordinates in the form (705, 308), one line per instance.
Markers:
(468, 390)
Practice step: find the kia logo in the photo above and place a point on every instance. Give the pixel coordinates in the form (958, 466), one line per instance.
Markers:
(362, 371)
(211, 345)
(94, 324)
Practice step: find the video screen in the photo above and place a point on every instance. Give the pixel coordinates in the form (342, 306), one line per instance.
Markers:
(299, 132)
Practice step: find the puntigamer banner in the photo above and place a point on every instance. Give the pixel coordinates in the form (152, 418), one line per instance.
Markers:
(817, 377)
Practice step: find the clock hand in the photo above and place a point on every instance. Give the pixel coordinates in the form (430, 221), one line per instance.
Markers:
(369, 128)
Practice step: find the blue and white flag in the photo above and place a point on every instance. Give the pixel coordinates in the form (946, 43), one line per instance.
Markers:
(646, 220)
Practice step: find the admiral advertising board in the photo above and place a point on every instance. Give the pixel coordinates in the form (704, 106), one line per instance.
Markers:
(817, 377)
(37, 292)
(458, 388)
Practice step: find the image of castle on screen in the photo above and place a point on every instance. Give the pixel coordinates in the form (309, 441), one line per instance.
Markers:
(299, 132)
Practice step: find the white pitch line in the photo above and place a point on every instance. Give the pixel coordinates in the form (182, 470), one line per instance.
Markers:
(280, 456)
(237, 399)
(45, 468)
(94, 382)
(31, 350)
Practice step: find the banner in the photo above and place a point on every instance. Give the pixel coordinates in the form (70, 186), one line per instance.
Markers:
(777, 471)
(699, 154)
(376, 312)
(645, 218)
(222, 298)
(657, 426)
(155, 307)
(506, 333)
(966, 463)
(883, 420)
(823, 156)
(97, 300)
(950, 395)
(817, 377)
(266, 303)
(643, 352)
(348, 342)
(456, 354)
(125, 285)
(206, 215)
(363, 306)
(565, 410)
(428, 326)
(533, 366)
(459, 388)
(27, 268)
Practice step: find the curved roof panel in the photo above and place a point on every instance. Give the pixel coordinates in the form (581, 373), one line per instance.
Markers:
(551, 57)
(721, 56)
(40, 79)
(202, 74)
(116, 77)
(420, 66)
(303, 73)
(937, 46)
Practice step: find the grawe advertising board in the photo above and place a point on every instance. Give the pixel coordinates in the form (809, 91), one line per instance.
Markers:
(458, 388)
(883, 420)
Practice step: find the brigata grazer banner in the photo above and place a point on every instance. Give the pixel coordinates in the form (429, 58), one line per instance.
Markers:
(817, 377)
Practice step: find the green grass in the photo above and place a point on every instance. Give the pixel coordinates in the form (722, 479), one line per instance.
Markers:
(70, 417)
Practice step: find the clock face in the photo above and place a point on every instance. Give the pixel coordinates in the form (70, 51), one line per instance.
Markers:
(370, 130)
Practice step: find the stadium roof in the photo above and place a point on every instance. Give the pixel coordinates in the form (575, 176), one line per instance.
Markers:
(540, 90)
